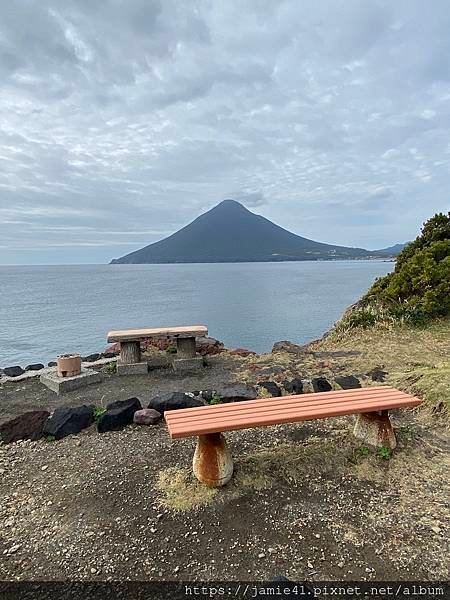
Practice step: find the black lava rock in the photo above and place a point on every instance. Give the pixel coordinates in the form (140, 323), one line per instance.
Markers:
(320, 384)
(66, 421)
(91, 357)
(34, 367)
(118, 415)
(271, 387)
(293, 387)
(173, 401)
(13, 371)
(109, 354)
(347, 382)
(236, 392)
(52, 363)
(28, 426)
(377, 374)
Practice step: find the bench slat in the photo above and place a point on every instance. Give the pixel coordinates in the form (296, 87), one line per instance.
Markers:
(269, 411)
(130, 335)
(285, 401)
(256, 411)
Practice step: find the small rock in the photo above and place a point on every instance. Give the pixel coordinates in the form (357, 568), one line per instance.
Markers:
(68, 421)
(320, 384)
(293, 387)
(44, 468)
(271, 387)
(34, 367)
(341, 564)
(13, 371)
(261, 555)
(52, 363)
(146, 416)
(91, 357)
(347, 382)
(118, 415)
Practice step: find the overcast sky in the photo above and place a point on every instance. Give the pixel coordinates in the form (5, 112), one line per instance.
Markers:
(122, 120)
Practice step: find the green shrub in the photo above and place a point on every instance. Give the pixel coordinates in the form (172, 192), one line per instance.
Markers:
(98, 412)
(216, 400)
(384, 453)
(111, 368)
(171, 350)
(418, 289)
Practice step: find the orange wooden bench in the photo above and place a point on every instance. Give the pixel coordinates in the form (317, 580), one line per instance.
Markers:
(212, 461)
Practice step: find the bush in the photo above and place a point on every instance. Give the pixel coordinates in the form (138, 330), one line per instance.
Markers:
(419, 287)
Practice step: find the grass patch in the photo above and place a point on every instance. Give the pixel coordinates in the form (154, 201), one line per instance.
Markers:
(98, 412)
(180, 491)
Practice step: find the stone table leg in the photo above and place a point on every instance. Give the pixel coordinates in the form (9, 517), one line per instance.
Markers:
(129, 362)
(212, 463)
(130, 352)
(186, 347)
(375, 429)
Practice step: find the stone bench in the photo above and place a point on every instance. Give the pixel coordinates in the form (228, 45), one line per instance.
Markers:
(212, 462)
(130, 362)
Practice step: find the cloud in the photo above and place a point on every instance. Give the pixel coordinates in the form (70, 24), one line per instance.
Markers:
(127, 117)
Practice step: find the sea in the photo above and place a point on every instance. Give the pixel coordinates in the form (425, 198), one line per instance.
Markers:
(50, 310)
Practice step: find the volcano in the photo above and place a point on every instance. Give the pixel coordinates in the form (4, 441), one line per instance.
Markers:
(229, 232)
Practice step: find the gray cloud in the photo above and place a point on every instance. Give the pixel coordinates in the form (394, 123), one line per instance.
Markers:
(122, 121)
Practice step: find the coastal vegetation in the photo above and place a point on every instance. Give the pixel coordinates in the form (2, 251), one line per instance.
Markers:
(417, 291)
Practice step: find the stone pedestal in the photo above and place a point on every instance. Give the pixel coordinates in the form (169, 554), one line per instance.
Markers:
(212, 463)
(60, 385)
(375, 429)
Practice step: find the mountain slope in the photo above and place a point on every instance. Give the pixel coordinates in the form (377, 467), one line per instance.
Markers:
(231, 233)
(392, 250)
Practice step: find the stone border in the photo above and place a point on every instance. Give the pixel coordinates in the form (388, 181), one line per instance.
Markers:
(30, 374)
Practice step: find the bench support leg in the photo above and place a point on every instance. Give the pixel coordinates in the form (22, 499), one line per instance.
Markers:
(129, 362)
(212, 463)
(130, 353)
(186, 347)
(375, 429)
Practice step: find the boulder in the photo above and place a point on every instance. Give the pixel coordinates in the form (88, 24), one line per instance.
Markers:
(109, 354)
(347, 382)
(28, 426)
(320, 384)
(146, 416)
(295, 386)
(243, 352)
(377, 374)
(271, 387)
(13, 371)
(52, 363)
(91, 357)
(34, 367)
(173, 401)
(285, 346)
(208, 345)
(236, 392)
(67, 421)
(118, 415)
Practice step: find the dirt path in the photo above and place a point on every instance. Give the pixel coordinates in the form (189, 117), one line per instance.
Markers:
(304, 502)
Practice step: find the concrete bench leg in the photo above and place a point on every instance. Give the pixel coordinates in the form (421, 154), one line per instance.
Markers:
(212, 463)
(375, 429)
(187, 359)
(129, 362)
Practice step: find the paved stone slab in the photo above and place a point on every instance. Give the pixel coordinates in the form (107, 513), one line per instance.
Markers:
(189, 365)
(140, 368)
(60, 385)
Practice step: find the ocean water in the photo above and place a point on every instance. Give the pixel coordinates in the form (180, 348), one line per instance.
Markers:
(49, 310)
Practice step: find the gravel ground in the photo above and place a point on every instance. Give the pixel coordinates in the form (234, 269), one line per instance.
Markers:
(303, 503)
